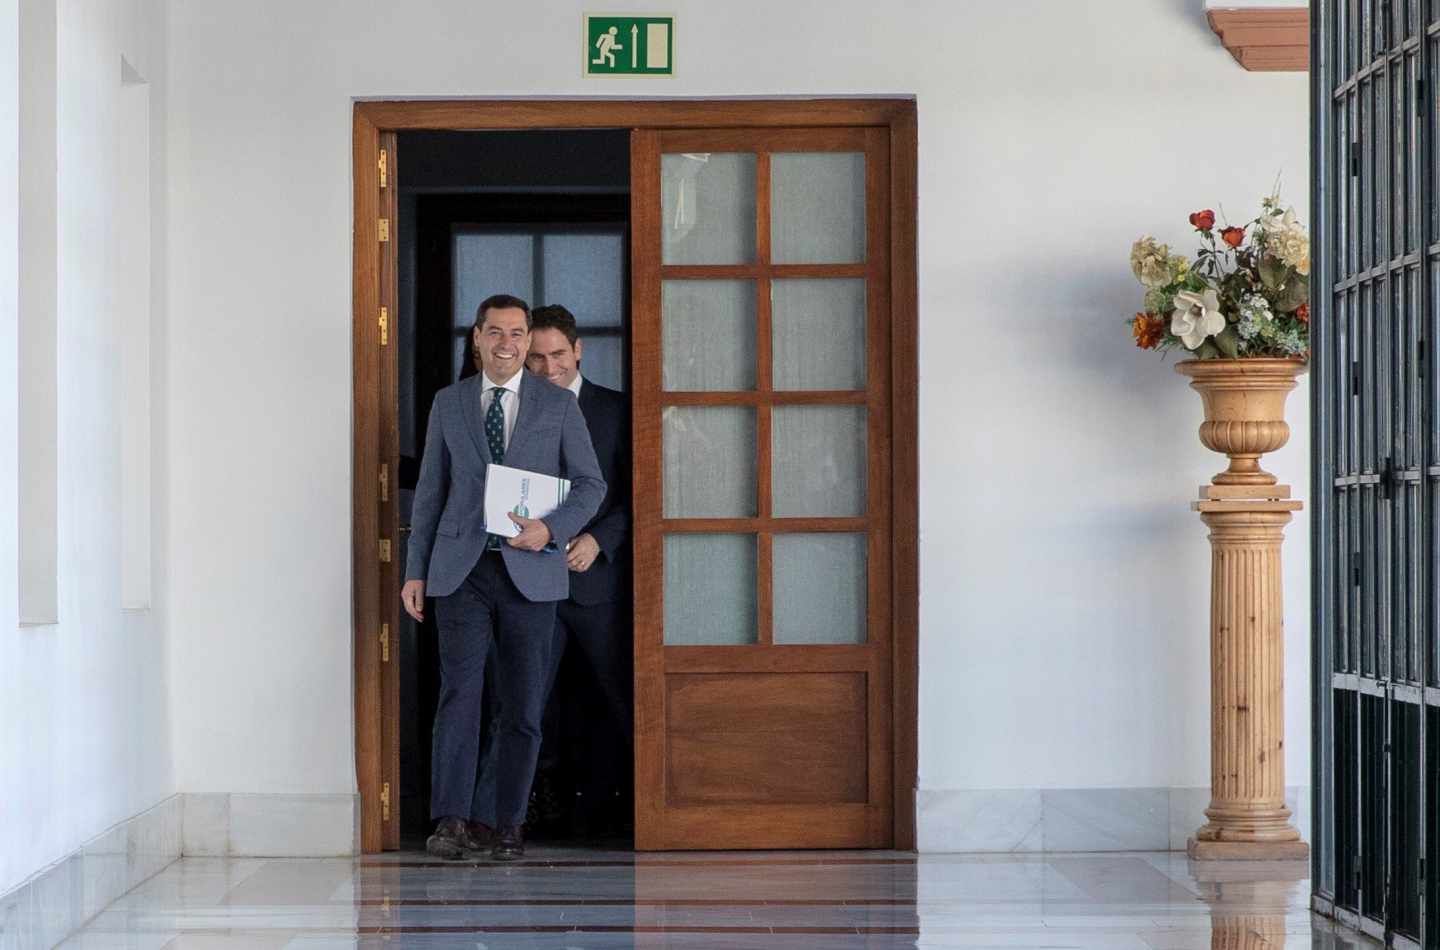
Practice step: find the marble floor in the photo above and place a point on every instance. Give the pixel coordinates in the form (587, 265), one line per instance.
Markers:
(560, 899)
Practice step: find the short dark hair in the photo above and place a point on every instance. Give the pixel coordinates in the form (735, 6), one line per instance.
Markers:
(555, 317)
(501, 302)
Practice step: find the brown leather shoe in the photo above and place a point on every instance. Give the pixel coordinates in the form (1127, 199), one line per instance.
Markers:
(482, 836)
(509, 844)
(451, 839)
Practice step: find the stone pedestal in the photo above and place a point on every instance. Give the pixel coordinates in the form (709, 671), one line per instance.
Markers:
(1248, 817)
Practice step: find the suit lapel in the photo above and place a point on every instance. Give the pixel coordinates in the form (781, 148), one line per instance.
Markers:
(529, 412)
(469, 392)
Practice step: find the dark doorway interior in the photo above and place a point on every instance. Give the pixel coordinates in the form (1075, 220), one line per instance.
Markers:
(545, 216)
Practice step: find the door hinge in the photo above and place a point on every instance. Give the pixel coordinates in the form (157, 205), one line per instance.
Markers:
(384, 643)
(385, 550)
(1420, 358)
(1355, 378)
(384, 170)
(384, 228)
(1355, 159)
(384, 326)
(384, 481)
(1355, 568)
(385, 802)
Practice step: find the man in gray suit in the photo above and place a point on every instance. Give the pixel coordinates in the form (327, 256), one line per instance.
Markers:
(488, 588)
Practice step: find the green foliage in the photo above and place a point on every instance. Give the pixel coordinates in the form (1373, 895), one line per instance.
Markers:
(1227, 342)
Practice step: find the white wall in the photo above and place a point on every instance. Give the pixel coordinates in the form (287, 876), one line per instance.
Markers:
(1064, 579)
(87, 737)
(10, 730)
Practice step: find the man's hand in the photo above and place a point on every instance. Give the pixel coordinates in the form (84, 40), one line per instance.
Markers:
(534, 533)
(412, 595)
(582, 552)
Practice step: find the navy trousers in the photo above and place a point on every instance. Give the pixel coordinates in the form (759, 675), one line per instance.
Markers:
(602, 635)
(488, 610)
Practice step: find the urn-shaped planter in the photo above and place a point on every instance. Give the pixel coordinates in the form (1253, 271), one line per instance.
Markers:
(1244, 411)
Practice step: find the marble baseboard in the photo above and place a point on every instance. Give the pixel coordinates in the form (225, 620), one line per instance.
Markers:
(269, 826)
(60, 899)
(1072, 819)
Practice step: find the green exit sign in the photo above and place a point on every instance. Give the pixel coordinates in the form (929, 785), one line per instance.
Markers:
(629, 45)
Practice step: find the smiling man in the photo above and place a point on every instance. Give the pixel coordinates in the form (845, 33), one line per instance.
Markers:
(486, 588)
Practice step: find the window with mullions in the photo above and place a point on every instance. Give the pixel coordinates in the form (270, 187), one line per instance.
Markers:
(580, 267)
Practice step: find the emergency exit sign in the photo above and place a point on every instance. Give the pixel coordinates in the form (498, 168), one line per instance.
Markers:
(629, 45)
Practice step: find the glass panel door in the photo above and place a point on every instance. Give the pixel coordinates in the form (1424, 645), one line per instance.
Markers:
(761, 388)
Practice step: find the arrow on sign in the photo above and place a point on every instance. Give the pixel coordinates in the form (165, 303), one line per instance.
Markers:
(634, 45)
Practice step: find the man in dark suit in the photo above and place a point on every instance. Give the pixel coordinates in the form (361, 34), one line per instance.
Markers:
(486, 588)
(595, 619)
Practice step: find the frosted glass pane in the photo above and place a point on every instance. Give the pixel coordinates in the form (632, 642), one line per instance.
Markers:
(709, 459)
(820, 588)
(819, 461)
(708, 334)
(818, 327)
(817, 202)
(709, 589)
(603, 360)
(707, 206)
(487, 264)
(584, 273)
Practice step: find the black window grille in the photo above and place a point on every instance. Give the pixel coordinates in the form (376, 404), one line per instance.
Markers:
(1375, 71)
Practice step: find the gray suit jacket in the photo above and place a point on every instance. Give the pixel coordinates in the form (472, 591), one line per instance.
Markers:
(447, 522)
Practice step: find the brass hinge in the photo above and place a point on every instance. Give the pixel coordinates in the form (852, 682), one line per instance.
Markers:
(385, 802)
(384, 326)
(383, 169)
(384, 229)
(384, 643)
(384, 481)
(385, 550)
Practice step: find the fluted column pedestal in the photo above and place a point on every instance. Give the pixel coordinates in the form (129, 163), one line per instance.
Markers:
(1248, 816)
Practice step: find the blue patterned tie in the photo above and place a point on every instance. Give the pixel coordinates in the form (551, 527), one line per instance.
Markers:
(495, 435)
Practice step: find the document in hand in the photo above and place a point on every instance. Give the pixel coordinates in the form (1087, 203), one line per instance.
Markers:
(527, 494)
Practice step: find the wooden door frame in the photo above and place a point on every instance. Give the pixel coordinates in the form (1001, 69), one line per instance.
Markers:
(375, 521)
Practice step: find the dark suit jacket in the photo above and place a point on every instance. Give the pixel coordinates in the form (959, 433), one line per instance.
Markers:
(448, 517)
(607, 415)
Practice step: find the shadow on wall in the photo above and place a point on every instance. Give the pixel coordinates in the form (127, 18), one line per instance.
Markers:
(1193, 13)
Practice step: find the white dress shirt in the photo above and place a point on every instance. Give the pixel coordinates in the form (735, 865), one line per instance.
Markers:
(511, 404)
(575, 385)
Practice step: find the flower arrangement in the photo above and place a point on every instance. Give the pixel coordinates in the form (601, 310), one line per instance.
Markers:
(1247, 293)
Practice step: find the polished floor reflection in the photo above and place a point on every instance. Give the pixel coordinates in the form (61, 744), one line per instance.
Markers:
(563, 899)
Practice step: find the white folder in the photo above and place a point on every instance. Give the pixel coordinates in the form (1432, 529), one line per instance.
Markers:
(514, 490)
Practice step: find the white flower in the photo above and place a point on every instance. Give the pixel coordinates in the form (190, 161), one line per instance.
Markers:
(1196, 318)
(1150, 262)
(1286, 237)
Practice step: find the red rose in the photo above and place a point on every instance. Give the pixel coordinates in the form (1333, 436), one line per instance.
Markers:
(1233, 236)
(1302, 313)
(1203, 220)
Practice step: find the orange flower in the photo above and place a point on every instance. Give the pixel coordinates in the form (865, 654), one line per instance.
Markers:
(1148, 329)
(1233, 236)
(1302, 313)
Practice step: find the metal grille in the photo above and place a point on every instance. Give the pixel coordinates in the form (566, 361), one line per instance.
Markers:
(1376, 446)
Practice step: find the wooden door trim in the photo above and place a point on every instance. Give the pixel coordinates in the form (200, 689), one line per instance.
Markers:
(372, 521)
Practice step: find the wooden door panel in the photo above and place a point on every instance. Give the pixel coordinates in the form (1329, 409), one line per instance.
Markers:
(771, 738)
(759, 737)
